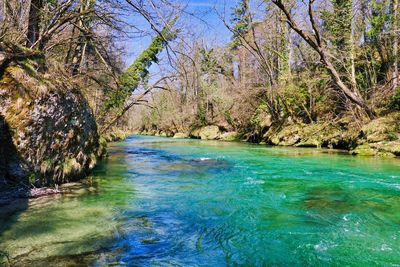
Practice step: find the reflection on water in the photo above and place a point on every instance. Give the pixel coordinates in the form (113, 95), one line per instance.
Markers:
(166, 202)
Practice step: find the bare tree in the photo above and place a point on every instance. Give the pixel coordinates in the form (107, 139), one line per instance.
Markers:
(314, 39)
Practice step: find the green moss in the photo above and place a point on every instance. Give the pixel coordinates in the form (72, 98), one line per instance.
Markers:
(32, 178)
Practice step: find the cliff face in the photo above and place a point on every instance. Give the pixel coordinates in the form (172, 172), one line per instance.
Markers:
(48, 134)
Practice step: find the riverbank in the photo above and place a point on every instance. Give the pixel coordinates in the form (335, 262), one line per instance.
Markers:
(379, 137)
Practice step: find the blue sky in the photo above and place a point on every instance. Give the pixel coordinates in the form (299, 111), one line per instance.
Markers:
(205, 22)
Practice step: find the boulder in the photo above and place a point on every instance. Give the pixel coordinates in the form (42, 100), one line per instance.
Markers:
(229, 136)
(210, 132)
(392, 147)
(364, 150)
(48, 132)
(383, 129)
(195, 133)
(181, 135)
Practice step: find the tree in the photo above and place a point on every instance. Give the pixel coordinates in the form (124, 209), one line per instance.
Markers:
(36, 8)
(395, 29)
(315, 41)
(137, 72)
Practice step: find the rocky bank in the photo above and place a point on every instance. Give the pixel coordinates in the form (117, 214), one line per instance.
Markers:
(48, 134)
(378, 137)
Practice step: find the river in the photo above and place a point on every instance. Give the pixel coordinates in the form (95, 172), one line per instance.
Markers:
(178, 202)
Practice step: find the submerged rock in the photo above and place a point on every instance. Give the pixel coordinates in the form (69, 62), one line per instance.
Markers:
(48, 133)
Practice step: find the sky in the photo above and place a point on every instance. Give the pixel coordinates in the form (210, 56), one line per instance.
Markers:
(205, 22)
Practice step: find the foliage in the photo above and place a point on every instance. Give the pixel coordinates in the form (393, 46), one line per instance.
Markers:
(395, 101)
(338, 23)
(241, 22)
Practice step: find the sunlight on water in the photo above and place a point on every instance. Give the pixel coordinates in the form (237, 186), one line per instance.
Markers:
(163, 202)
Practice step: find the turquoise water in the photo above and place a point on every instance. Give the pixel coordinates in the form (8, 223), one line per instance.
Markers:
(168, 202)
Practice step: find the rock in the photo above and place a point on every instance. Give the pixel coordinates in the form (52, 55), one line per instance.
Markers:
(195, 133)
(386, 155)
(229, 136)
(181, 135)
(163, 134)
(311, 142)
(291, 140)
(392, 147)
(287, 136)
(363, 150)
(265, 121)
(383, 129)
(48, 134)
(209, 132)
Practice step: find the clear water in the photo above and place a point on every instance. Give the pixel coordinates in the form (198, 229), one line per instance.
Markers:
(168, 202)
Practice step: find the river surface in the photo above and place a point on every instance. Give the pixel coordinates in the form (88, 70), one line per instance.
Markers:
(177, 202)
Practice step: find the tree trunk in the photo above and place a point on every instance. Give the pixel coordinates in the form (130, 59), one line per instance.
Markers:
(34, 22)
(395, 46)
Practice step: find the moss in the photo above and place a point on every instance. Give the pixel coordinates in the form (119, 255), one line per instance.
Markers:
(70, 166)
(4, 259)
(46, 166)
(32, 178)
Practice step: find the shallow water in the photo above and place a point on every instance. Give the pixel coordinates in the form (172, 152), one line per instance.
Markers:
(167, 202)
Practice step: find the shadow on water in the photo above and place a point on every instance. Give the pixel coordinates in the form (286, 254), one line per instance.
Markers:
(76, 228)
(12, 200)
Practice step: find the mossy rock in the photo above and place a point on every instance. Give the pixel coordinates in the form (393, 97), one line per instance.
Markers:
(71, 166)
(181, 135)
(386, 155)
(383, 129)
(309, 143)
(210, 132)
(229, 136)
(364, 150)
(392, 147)
(46, 118)
(195, 133)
